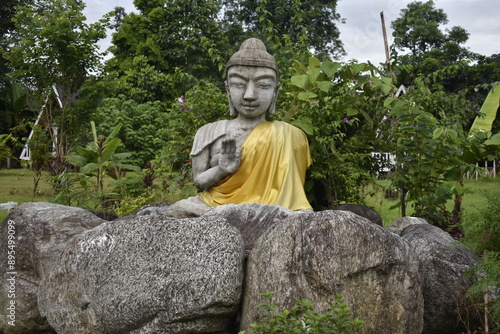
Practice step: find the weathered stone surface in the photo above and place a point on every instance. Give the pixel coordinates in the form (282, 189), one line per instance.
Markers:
(251, 219)
(105, 214)
(40, 231)
(444, 262)
(319, 255)
(363, 211)
(400, 224)
(147, 275)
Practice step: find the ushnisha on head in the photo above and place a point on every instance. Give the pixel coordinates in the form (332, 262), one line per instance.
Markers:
(251, 57)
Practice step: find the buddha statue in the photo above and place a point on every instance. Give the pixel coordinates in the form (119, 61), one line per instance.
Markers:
(248, 158)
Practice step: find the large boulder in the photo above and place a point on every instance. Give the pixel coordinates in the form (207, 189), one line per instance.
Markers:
(363, 211)
(251, 219)
(320, 255)
(147, 275)
(36, 235)
(400, 224)
(444, 263)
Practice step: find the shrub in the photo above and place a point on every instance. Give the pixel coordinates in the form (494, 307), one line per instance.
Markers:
(302, 318)
(482, 234)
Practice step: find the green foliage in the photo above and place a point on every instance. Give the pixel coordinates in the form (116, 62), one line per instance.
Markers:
(40, 155)
(282, 20)
(339, 107)
(129, 205)
(488, 110)
(62, 49)
(418, 27)
(139, 126)
(5, 151)
(426, 154)
(143, 82)
(433, 151)
(204, 103)
(97, 159)
(74, 189)
(482, 234)
(173, 34)
(13, 100)
(60, 45)
(303, 318)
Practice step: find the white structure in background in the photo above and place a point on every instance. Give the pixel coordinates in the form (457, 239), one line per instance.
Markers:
(26, 154)
(8, 206)
(386, 160)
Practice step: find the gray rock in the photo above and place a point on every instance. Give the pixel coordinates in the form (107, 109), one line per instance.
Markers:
(320, 255)
(400, 224)
(147, 275)
(105, 214)
(444, 262)
(152, 209)
(251, 219)
(363, 211)
(41, 231)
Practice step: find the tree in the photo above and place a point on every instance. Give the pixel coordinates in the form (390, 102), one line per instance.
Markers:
(7, 29)
(439, 55)
(418, 28)
(55, 46)
(291, 17)
(339, 107)
(172, 35)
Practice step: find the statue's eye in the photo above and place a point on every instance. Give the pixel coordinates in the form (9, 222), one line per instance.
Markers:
(237, 84)
(264, 86)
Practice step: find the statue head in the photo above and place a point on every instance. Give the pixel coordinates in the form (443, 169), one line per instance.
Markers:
(253, 54)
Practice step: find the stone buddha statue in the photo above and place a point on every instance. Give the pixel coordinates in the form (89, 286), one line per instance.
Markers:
(249, 159)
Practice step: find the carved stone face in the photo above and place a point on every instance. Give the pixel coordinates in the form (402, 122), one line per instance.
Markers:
(252, 90)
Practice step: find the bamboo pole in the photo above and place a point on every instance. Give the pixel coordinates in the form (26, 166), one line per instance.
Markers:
(386, 46)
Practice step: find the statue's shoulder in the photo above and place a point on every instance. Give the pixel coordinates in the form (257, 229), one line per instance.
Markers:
(207, 134)
(284, 126)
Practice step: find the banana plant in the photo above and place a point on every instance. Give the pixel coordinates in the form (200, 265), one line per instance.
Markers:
(480, 143)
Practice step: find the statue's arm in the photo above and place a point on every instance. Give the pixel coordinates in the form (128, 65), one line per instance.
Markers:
(206, 176)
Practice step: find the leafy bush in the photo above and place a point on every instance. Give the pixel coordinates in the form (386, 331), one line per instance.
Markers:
(5, 151)
(204, 103)
(95, 161)
(129, 205)
(339, 106)
(139, 125)
(302, 318)
(482, 234)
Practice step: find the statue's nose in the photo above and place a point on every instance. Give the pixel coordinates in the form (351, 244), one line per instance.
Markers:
(250, 93)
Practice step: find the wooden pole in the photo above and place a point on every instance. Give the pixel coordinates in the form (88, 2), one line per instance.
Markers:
(386, 45)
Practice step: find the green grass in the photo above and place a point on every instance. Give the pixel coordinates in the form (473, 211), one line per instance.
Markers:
(473, 199)
(17, 185)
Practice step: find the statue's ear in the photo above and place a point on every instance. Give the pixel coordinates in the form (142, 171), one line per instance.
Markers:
(272, 107)
(232, 111)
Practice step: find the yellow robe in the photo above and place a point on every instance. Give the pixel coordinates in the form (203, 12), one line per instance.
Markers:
(275, 157)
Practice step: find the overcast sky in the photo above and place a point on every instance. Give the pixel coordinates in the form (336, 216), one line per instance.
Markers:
(362, 32)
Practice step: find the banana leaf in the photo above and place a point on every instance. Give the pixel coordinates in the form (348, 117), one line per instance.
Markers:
(488, 111)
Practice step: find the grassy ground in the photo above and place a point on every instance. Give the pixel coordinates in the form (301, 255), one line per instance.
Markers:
(17, 185)
(473, 200)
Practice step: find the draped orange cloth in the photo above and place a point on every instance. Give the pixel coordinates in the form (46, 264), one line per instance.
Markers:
(275, 157)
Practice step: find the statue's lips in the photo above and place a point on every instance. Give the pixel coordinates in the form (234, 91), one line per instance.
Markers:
(250, 107)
